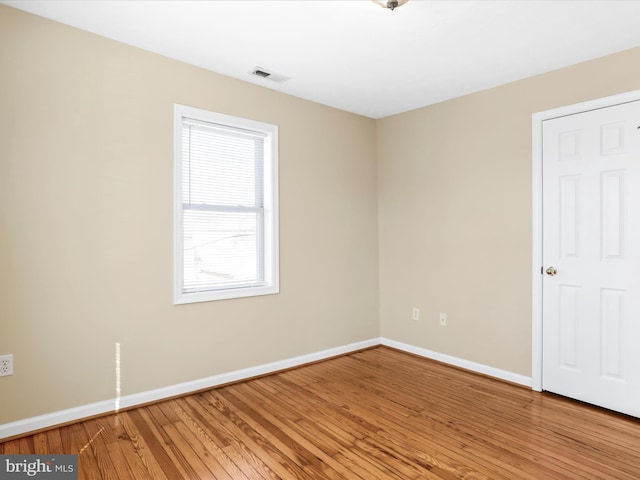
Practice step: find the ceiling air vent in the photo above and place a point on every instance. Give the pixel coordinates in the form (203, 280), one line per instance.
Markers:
(261, 73)
(267, 75)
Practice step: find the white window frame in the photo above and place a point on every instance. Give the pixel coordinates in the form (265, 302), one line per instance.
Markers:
(270, 257)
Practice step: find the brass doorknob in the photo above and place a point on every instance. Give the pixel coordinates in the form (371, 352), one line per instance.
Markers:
(551, 271)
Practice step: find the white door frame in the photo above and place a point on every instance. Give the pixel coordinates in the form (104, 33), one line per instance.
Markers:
(537, 119)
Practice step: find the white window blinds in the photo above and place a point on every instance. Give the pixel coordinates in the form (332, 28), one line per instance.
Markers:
(222, 207)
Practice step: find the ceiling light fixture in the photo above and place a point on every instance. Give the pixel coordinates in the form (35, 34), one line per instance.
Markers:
(390, 4)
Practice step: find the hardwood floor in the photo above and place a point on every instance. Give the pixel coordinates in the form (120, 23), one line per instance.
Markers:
(375, 414)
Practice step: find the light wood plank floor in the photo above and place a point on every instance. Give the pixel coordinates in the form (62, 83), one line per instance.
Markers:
(375, 414)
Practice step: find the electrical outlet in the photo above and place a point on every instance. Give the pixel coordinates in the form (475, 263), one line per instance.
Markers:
(443, 319)
(416, 314)
(6, 365)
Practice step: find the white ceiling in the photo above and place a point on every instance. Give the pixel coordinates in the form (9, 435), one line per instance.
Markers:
(359, 57)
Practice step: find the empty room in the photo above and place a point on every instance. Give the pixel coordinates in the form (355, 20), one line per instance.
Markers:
(300, 239)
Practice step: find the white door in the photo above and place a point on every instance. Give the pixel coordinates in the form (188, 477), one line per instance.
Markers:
(591, 238)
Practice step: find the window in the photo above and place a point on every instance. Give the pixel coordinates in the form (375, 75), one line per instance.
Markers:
(226, 206)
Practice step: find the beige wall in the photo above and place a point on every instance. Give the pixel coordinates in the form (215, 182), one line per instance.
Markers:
(455, 221)
(86, 214)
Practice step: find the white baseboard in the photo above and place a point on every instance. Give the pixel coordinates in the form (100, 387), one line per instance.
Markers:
(459, 362)
(109, 406)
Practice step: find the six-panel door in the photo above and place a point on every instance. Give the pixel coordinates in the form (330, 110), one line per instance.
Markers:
(591, 236)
